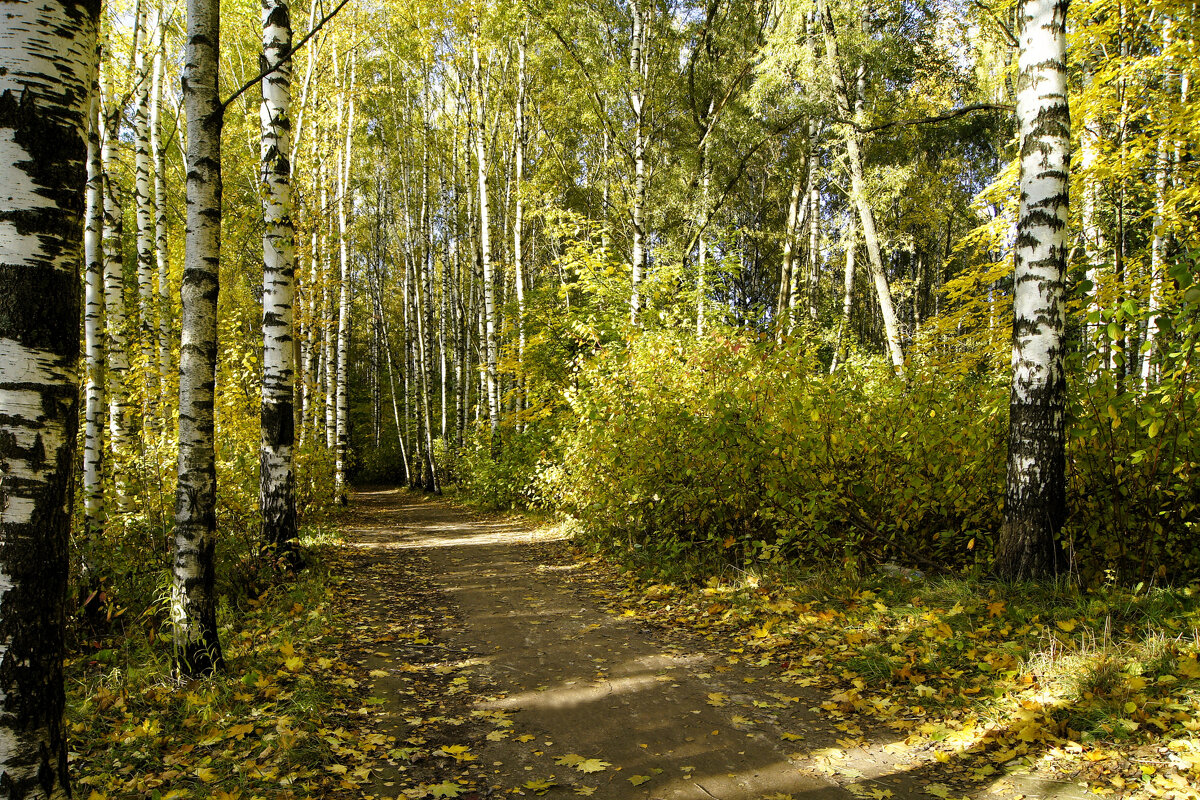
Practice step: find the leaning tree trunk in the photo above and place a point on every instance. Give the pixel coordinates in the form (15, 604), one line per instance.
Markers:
(277, 481)
(47, 73)
(1034, 499)
(93, 331)
(858, 192)
(193, 600)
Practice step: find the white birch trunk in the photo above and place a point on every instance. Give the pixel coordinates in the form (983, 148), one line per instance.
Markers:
(144, 216)
(47, 74)
(93, 331)
(120, 416)
(637, 99)
(193, 600)
(162, 262)
(277, 481)
(1034, 506)
(343, 329)
(518, 216)
(847, 293)
(1158, 243)
(485, 243)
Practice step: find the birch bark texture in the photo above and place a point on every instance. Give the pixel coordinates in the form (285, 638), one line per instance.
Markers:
(277, 480)
(1035, 486)
(193, 600)
(47, 72)
(93, 331)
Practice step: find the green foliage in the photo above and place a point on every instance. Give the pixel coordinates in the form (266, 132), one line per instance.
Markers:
(733, 449)
(505, 477)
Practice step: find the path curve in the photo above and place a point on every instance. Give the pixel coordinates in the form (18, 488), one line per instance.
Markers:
(665, 717)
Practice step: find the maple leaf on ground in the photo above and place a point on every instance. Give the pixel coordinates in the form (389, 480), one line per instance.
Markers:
(445, 789)
(592, 765)
(638, 780)
(540, 786)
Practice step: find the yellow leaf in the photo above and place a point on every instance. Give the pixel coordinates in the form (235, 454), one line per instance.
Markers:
(585, 790)
(287, 649)
(206, 774)
(638, 780)
(592, 765)
(294, 663)
(1066, 625)
(445, 789)
(238, 731)
(717, 699)
(378, 673)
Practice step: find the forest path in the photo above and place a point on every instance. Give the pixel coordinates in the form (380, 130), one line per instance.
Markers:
(660, 714)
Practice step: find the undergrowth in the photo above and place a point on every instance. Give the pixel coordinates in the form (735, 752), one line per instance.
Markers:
(276, 723)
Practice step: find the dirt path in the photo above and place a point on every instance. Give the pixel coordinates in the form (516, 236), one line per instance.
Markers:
(560, 697)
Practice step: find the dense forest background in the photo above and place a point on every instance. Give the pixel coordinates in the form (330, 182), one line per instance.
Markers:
(606, 259)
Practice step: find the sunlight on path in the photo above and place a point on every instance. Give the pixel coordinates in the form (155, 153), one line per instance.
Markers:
(601, 705)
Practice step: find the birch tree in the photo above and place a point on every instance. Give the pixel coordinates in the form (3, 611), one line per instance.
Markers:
(193, 601)
(47, 72)
(276, 476)
(93, 332)
(1035, 485)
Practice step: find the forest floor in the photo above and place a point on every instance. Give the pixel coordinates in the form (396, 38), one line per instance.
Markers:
(429, 651)
(505, 666)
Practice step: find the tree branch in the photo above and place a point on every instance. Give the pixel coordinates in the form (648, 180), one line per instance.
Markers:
(258, 78)
(948, 115)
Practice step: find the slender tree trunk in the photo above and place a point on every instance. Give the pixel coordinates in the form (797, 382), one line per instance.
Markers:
(93, 331)
(1162, 169)
(1035, 488)
(343, 330)
(159, 156)
(866, 216)
(637, 98)
(519, 213)
(120, 416)
(485, 246)
(847, 293)
(144, 218)
(193, 599)
(329, 346)
(277, 479)
(47, 75)
(783, 303)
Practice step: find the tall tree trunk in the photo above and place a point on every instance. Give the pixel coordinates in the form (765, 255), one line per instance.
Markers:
(193, 599)
(637, 98)
(1035, 487)
(783, 302)
(120, 414)
(1162, 169)
(847, 294)
(159, 156)
(277, 479)
(93, 332)
(47, 74)
(485, 246)
(519, 212)
(858, 191)
(144, 217)
(343, 330)
(328, 343)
